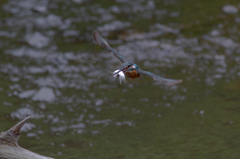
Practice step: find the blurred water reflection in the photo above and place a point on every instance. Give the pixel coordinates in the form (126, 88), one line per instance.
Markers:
(51, 70)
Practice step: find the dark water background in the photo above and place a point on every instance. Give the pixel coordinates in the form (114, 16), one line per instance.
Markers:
(50, 69)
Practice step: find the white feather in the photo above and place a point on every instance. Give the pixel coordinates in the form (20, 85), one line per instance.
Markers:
(119, 75)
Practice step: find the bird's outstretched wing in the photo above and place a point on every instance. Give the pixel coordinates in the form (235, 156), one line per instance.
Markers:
(165, 81)
(98, 39)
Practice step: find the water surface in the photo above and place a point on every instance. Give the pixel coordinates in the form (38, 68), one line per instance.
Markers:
(51, 69)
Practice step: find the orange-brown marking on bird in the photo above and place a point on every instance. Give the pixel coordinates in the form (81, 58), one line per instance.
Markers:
(132, 74)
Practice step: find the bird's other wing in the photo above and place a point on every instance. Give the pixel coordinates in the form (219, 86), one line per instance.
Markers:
(98, 39)
(165, 81)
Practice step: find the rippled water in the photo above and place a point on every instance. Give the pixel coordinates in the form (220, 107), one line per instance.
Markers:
(51, 69)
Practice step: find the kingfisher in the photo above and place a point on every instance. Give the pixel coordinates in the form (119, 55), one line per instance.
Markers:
(130, 69)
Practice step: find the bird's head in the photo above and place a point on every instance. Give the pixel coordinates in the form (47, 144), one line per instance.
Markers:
(126, 66)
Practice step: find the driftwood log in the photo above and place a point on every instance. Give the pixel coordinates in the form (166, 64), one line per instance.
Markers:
(9, 148)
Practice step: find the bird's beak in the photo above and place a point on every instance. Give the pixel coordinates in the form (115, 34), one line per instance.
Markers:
(123, 70)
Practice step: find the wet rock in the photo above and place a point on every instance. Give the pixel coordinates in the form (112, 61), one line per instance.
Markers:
(25, 7)
(37, 40)
(50, 21)
(115, 9)
(215, 33)
(21, 113)
(40, 9)
(69, 33)
(98, 102)
(54, 20)
(17, 52)
(8, 34)
(218, 76)
(59, 129)
(201, 112)
(225, 42)
(148, 43)
(151, 4)
(70, 56)
(115, 25)
(230, 9)
(31, 135)
(34, 70)
(26, 51)
(78, 1)
(26, 94)
(44, 94)
(78, 126)
(129, 123)
(28, 126)
(135, 36)
(166, 28)
(106, 121)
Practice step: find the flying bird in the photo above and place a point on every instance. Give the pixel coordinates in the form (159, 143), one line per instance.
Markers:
(130, 69)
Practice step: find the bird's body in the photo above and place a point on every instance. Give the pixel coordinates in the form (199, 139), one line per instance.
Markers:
(132, 73)
(130, 69)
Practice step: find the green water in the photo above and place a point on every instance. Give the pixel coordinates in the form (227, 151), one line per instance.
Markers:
(86, 114)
